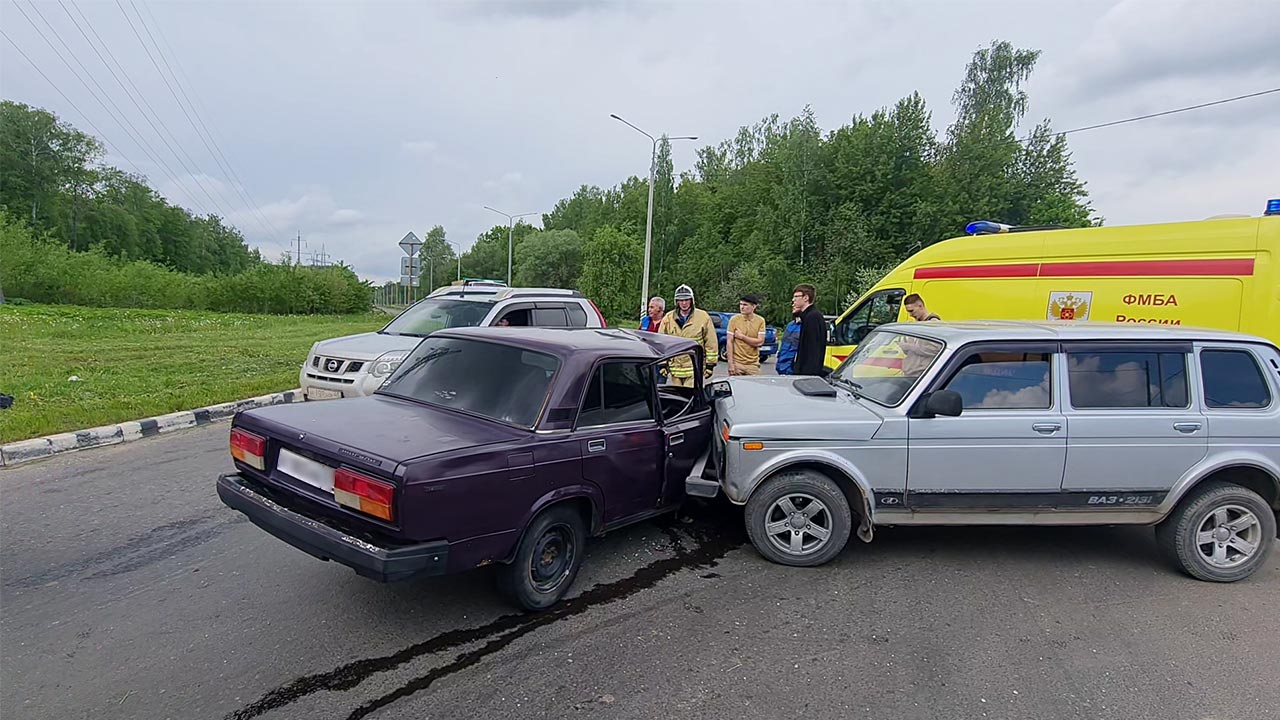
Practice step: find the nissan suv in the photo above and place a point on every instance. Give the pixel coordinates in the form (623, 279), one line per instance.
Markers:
(356, 365)
(1005, 423)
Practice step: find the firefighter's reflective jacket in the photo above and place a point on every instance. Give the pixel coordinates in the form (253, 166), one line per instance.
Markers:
(697, 328)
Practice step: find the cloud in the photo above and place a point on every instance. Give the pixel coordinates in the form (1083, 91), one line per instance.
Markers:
(508, 179)
(419, 147)
(345, 216)
(543, 9)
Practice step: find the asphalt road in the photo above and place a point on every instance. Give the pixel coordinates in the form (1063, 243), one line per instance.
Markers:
(128, 591)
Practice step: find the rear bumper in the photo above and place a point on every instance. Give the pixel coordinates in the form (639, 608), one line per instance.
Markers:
(384, 564)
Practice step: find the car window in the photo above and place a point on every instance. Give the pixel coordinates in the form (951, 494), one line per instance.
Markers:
(518, 317)
(550, 317)
(619, 392)
(1127, 379)
(577, 316)
(491, 380)
(887, 365)
(1232, 379)
(434, 314)
(876, 310)
(1003, 380)
(717, 319)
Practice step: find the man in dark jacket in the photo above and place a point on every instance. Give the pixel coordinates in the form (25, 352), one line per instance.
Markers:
(811, 356)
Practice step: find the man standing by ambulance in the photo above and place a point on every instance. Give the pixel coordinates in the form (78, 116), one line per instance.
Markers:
(690, 322)
(744, 337)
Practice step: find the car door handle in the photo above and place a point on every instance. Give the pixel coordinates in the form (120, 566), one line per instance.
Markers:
(595, 446)
(1187, 427)
(676, 439)
(1047, 428)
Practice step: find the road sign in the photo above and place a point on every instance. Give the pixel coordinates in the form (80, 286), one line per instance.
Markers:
(410, 280)
(410, 243)
(411, 265)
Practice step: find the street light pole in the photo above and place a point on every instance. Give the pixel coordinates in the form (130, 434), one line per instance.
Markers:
(648, 225)
(511, 227)
(459, 252)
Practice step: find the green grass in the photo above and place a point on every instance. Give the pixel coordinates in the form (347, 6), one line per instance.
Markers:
(133, 364)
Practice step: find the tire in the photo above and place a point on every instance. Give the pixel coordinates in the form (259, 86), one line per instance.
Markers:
(1249, 522)
(547, 559)
(767, 509)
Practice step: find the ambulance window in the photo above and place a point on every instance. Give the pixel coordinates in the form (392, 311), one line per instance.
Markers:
(876, 310)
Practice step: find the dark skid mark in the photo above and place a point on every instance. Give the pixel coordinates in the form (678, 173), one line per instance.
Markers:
(159, 535)
(713, 544)
(161, 552)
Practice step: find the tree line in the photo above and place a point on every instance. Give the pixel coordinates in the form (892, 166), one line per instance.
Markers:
(74, 230)
(784, 202)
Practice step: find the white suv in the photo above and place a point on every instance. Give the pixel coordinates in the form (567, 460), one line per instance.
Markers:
(356, 365)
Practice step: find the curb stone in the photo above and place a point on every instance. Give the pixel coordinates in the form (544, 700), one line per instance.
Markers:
(43, 447)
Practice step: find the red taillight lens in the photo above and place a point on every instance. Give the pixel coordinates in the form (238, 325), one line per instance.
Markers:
(248, 448)
(598, 313)
(363, 493)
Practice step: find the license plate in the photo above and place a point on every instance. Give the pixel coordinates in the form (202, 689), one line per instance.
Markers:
(322, 394)
(305, 469)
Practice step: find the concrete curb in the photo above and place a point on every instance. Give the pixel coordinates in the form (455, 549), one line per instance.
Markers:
(50, 445)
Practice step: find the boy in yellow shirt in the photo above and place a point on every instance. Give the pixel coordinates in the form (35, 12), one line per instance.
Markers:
(744, 338)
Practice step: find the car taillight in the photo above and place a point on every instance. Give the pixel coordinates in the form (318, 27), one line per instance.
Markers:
(363, 493)
(598, 313)
(724, 431)
(248, 448)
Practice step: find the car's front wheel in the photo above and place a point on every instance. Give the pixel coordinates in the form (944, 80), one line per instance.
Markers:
(799, 518)
(547, 559)
(1219, 533)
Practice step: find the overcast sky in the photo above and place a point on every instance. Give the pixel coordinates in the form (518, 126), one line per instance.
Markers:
(355, 122)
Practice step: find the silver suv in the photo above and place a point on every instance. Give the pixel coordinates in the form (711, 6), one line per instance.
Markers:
(356, 365)
(1005, 423)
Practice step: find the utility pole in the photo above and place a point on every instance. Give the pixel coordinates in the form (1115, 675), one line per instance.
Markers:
(648, 226)
(298, 258)
(511, 227)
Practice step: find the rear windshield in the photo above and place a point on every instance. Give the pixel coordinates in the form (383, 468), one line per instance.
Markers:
(429, 316)
(494, 381)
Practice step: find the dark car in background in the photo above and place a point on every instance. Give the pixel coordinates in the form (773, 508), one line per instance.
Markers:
(721, 322)
(505, 446)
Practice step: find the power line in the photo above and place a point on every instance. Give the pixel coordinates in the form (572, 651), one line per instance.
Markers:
(120, 119)
(71, 103)
(1169, 112)
(219, 156)
(195, 176)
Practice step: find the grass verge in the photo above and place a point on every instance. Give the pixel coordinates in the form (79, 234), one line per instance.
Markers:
(133, 364)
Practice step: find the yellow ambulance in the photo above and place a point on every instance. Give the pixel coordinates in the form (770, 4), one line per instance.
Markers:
(1221, 273)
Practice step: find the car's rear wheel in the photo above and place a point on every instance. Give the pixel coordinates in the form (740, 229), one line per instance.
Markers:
(799, 518)
(547, 559)
(1219, 533)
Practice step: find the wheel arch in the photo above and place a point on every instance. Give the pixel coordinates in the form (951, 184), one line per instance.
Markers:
(1247, 470)
(857, 491)
(586, 500)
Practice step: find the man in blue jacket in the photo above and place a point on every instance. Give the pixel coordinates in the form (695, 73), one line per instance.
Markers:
(787, 348)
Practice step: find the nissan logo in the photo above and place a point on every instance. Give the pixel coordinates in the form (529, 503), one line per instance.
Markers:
(332, 364)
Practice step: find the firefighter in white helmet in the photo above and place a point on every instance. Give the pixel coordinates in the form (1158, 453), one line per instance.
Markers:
(689, 322)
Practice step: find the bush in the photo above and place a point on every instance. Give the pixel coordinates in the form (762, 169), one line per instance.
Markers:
(46, 272)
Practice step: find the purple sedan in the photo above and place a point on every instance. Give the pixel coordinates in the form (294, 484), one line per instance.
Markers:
(487, 445)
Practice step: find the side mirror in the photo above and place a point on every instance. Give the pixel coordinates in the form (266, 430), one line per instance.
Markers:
(947, 403)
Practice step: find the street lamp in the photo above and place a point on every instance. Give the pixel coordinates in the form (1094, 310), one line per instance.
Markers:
(459, 251)
(648, 225)
(511, 226)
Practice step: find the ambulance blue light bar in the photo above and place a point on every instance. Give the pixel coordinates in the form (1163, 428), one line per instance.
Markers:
(1273, 207)
(986, 227)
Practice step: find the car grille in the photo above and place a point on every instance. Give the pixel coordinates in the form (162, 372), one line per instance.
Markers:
(336, 366)
(327, 378)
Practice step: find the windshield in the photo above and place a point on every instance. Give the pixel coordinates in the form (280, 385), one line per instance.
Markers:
(428, 316)
(499, 382)
(887, 365)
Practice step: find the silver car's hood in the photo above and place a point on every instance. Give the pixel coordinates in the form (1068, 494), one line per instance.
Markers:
(770, 408)
(365, 346)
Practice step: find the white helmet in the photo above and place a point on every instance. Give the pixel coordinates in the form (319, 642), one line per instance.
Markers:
(684, 292)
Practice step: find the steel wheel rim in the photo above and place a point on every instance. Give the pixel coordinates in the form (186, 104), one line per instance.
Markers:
(1228, 536)
(798, 524)
(553, 556)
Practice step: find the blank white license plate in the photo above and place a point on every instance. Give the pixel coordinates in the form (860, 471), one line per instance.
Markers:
(322, 394)
(305, 469)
